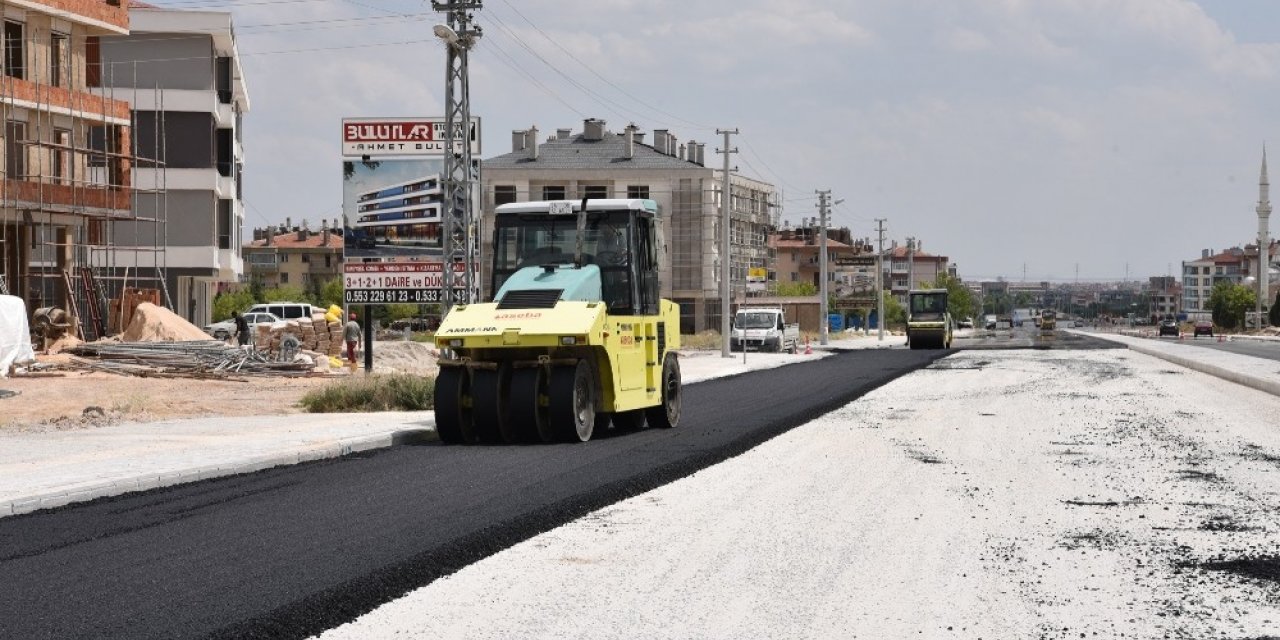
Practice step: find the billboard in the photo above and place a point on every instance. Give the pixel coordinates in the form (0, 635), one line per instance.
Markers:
(376, 137)
(392, 208)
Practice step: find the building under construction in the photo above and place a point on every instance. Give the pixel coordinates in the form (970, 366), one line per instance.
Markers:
(96, 118)
(67, 155)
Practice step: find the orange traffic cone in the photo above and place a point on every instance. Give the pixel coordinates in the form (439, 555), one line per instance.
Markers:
(808, 350)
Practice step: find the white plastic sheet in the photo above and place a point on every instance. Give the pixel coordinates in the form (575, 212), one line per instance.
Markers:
(15, 334)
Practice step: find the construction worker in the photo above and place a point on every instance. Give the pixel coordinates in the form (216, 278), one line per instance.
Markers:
(242, 329)
(351, 333)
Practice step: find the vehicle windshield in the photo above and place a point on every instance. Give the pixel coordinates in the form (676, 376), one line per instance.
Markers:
(928, 302)
(523, 241)
(756, 320)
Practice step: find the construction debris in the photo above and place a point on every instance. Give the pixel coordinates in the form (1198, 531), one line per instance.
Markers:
(186, 359)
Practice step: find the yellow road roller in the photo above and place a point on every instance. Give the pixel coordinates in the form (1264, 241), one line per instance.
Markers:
(576, 338)
(928, 321)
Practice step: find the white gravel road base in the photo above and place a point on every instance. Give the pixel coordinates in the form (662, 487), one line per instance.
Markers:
(1015, 494)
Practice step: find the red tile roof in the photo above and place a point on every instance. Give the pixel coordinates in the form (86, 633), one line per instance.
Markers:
(290, 241)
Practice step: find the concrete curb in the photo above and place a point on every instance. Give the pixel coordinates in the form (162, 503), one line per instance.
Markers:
(146, 482)
(1253, 382)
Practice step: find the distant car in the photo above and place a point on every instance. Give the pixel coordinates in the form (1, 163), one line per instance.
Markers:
(1078, 323)
(966, 323)
(1004, 322)
(227, 328)
(1169, 327)
(1203, 328)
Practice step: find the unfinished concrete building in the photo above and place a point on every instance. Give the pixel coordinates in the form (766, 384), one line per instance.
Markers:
(67, 152)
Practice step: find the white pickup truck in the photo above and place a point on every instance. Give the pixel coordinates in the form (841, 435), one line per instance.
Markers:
(764, 329)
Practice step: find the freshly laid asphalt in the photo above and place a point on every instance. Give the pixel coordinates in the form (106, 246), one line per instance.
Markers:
(292, 551)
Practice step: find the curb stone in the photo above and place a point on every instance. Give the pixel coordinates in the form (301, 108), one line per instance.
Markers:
(1253, 382)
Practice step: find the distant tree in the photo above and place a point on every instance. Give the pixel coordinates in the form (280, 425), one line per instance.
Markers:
(960, 300)
(796, 289)
(225, 303)
(895, 315)
(1273, 315)
(256, 288)
(1229, 302)
(331, 293)
(401, 311)
(285, 293)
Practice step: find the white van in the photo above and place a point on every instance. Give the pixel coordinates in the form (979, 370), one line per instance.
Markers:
(284, 310)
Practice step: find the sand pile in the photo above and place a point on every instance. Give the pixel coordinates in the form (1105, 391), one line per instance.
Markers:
(152, 323)
(402, 357)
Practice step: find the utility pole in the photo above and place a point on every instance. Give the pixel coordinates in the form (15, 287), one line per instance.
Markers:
(458, 220)
(911, 264)
(725, 259)
(824, 203)
(880, 281)
(1264, 242)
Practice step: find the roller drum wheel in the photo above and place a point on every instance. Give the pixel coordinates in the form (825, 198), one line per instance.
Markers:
(527, 408)
(572, 407)
(667, 414)
(490, 391)
(453, 416)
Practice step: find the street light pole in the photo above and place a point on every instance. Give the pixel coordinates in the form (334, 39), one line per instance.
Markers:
(880, 281)
(458, 220)
(823, 204)
(725, 258)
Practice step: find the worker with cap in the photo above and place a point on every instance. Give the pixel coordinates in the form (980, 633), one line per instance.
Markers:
(351, 333)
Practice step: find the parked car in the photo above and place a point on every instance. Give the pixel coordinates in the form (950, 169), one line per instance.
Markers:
(966, 323)
(227, 328)
(285, 310)
(1169, 327)
(1004, 323)
(1203, 328)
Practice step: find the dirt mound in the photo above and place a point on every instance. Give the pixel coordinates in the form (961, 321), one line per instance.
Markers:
(403, 357)
(152, 323)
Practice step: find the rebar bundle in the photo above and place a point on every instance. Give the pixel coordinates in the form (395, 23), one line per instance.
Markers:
(187, 359)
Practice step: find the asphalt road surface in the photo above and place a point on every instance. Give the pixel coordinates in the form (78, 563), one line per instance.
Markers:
(1027, 337)
(294, 551)
(999, 494)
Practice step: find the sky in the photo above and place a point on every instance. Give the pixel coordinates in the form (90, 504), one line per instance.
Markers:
(1049, 138)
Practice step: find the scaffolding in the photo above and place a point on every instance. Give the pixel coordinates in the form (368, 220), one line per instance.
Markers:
(73, 233)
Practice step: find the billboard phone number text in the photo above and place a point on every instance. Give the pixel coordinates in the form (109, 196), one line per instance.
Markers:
(393, 296)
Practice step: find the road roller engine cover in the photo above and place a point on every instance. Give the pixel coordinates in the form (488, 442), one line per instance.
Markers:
(576, 338)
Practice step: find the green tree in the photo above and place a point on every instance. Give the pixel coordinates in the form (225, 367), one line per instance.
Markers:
(1273, 314)
(960, 300)
(257, 288)
(796, 289)
(285, 293)
(401, 311)
(331, 293)
(225, 303)
(1229, 302)
(895, 315)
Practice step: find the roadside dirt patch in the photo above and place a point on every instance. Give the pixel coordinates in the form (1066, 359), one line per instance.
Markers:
(1266, 568)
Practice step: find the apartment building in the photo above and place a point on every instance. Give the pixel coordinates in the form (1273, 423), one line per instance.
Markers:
(599, 163)
(181, 71)
(297, 256)
(1200, 275)
(67, 163)
(909, 265)
(797, 250)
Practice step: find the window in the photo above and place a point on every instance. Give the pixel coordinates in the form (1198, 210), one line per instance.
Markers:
(284, 277)
(595, 192)
(15, 50)
(224, 223)
(553, 193)
(92, 61)
(306, 258)
(15, 150)
(638, 191)
(61, 156)
(504, 194)
(59, 56)
(284, 257)
(225, 152)
(327, 259)
(223, 72)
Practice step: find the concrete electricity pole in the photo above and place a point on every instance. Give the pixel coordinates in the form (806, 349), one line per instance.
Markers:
(1264, 242)
(824, 202)
(725, 258)
(458, 221)
(911, 264)
(880, 281)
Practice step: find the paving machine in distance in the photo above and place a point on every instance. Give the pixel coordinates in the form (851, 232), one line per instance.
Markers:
(576, 337)
(928, 321)
(1048, 322)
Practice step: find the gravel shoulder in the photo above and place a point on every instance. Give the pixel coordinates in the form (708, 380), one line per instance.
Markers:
(994, 494)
